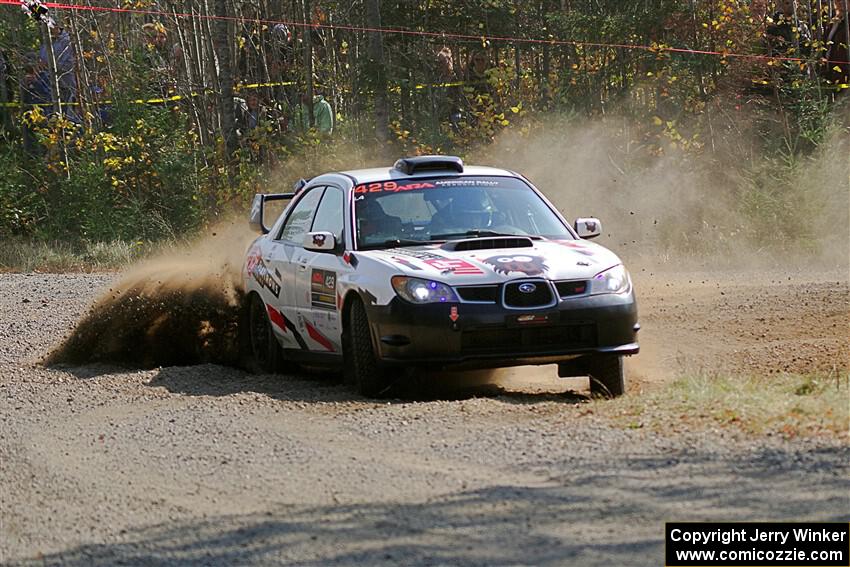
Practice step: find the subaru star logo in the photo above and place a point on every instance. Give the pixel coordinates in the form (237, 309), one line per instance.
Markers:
(527, 288)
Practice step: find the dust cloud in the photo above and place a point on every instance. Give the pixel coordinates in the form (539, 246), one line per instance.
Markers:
(678, 208)
(180, 307)
(680, 212)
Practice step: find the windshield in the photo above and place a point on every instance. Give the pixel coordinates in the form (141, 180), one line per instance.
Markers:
(410, 212)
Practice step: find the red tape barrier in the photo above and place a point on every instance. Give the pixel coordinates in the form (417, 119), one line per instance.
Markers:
(441, 35)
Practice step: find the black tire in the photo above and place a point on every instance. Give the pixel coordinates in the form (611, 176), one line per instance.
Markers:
(266, 356)
(607, 376)
(362, 368)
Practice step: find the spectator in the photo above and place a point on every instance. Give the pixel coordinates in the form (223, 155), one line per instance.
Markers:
(158, 57)
(156, 37)
(35, 91)
(36, 81)
(476, 69)
(103, 110)
(785, 33)
(250, 113)
(835, 36)
(445, 64)
(281, 52)
(323, 116)
(66, 77)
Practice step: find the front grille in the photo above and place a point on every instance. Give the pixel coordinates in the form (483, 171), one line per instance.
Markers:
(568, 289)
(541, 296)
(479, 293)
(488, 243)
(529, 340)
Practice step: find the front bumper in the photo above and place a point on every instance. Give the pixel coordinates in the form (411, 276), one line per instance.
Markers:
(471, 335)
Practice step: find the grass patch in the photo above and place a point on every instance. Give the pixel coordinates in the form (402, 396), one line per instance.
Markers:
(23, 255)
(787, 404)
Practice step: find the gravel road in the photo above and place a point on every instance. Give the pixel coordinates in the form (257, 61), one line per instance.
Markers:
(209, 465)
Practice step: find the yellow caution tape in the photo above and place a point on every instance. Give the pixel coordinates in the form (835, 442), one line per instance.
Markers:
(237, 88)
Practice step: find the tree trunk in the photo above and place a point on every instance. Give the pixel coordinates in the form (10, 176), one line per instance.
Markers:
(308, 62)
(4, 93)
(54, 74)
(221, 45)
(376, 63)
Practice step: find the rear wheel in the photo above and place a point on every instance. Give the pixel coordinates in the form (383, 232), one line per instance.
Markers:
(607, 376)
(361, 364)
(266, 354)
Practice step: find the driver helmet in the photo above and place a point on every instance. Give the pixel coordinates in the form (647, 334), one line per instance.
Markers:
(471, 207)
(372, 219)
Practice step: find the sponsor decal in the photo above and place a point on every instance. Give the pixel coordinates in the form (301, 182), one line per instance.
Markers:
(390, 187)
(453, 314)
(282, 322)
(350, 259)
(455, 266)
(574, 246)
(406, 263)
(254, 257)
(323, 289)
(419, 254)
(319, 240)
(467, 182)
(530, 319)
(317, 336)
(441, 263)
(327, 323)
(517, 263)
(276, 317)
(260, 272)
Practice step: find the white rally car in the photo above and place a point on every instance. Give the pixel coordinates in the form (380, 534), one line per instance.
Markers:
(433, 263)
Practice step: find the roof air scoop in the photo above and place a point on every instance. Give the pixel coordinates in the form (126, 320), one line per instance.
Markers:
(488, 243)
(412, 165)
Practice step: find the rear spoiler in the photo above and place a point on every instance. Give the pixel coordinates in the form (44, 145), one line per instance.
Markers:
(258, 205)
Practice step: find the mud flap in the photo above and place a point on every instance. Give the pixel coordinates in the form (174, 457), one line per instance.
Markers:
(575, 367)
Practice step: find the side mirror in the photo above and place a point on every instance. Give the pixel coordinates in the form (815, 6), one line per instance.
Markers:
(320, 241)
(255, 221)
(588, 228)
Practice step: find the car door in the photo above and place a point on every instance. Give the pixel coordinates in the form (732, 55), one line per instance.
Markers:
(285, 261)
(318, 274)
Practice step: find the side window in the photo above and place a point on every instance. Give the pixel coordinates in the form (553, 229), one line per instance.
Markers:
(297, 225)
(329, 215)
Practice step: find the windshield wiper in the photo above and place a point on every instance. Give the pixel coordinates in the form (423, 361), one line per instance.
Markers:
(479, 234)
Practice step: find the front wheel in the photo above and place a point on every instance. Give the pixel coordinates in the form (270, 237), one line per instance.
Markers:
(361, 365)
(266, 356)
(607, 376)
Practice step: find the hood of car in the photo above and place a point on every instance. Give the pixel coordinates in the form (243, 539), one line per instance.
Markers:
(457, 264)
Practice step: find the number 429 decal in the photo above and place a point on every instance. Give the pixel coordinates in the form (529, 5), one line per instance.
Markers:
(390, 187)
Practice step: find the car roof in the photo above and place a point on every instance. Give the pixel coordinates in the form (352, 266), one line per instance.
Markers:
(389, 173)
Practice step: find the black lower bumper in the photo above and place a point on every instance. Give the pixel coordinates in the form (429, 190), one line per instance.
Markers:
(471, 335)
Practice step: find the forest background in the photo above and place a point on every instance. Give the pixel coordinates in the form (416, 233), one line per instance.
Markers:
(140, 122)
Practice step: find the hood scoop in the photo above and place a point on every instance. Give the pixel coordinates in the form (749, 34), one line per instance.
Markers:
(488, 243)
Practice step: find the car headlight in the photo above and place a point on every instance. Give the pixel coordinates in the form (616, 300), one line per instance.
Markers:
(417, 290)
(612, 280)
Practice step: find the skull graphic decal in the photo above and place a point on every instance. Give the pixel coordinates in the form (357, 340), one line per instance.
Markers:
(520, 263)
